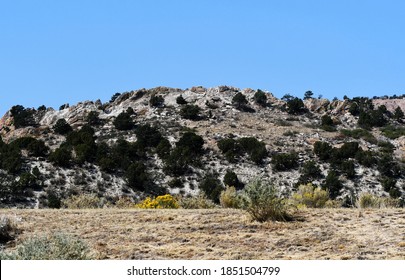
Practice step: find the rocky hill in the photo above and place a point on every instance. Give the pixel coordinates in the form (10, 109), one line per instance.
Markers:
(167, 140)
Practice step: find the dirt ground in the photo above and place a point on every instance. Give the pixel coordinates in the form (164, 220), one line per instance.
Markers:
(317, 234)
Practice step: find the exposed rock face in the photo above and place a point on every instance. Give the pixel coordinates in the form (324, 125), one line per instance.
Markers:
(281, 133)
(391, 104)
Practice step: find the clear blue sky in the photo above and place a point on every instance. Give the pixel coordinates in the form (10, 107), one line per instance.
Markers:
(53, 52)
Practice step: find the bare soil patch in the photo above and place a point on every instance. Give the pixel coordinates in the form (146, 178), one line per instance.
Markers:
(224, 233)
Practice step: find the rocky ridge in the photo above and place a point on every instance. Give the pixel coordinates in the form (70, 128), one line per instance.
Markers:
(273, 125)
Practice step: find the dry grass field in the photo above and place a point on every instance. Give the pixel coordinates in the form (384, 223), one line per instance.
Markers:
(224, 233)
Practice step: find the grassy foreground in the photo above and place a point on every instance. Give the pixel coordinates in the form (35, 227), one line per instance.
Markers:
(223, 233)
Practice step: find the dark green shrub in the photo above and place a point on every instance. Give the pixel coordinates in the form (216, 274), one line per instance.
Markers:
(323, 150)
(254, 148)
(373, 118)
(212, 187)
(62, 127)
(136, 176)
(230, 148)
(61, 157)
(190, 112)
(366, 158)
(348, 168)
(360, 134)
(388, 166)
(163, 149)
(37, 148)
(386, 147)
(114, 97)
(310, 171)
(180, 100)
(395, 192)
(260, 98)
(239, 100)
(388, 183)
(327, 123)
(285, 161)
(11, 159)
(308, 94)
(123, 122)
(178, 162)
(156, 100)
(333, 184)
(22, 117)
(93, 118)
(176, 183)
(231, 180)
(349, 150)
(393, 132)
(148, 136)
(54, 200)
(85, 153)
(296, 106)
(191, 141)
(398, 114)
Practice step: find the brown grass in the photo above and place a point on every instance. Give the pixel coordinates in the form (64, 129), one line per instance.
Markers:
(225, 233)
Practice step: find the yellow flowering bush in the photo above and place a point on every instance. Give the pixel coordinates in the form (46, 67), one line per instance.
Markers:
(161, 202)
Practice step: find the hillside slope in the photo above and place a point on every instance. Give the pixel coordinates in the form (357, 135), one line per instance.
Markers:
(170, 140)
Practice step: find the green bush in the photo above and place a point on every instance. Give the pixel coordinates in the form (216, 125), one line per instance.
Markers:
(323, 150)
(372, 118)
(327, 123)
(54, 199)
(55, 246)
(211, 186)
(93, 118)
(239, 100)
(359, 133)
(262, 201)
(366, 158)
(22, 117)
(148, 136)
(191, 141)
(136, 176)
(190, 112)
(123, 121)
(310, 171)
(295, 106)
(230, 148)
(156, 100)
(285, 161)
(180, 100)
(310, 196)
(163, 149)
(393, 132)
(348, 168)
(260, 98)
(61, 157)
(176, 183)
(398, 114)
(62, 127)
(254, 148)
(231, 180)
(114, 97)
(333, 184)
